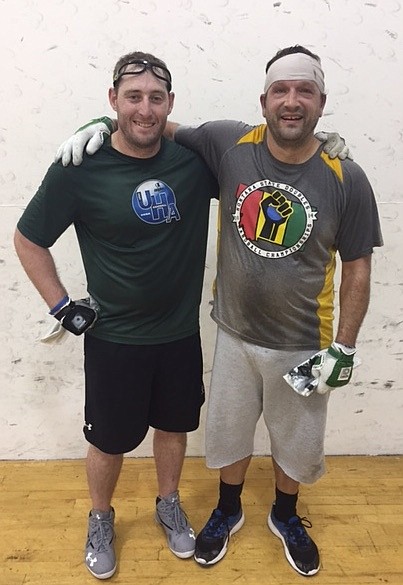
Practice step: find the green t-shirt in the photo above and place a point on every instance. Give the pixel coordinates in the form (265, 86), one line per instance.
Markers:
(142, 229)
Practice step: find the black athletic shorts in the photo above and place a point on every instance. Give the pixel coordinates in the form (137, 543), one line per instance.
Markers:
(129, 388)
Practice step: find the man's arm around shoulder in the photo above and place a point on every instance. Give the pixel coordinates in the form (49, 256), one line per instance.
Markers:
(170, 129)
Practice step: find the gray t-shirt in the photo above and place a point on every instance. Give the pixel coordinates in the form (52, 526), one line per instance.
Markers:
(280, 227)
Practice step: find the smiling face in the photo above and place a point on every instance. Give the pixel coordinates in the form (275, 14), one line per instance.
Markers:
(292, 110)
(142, 104)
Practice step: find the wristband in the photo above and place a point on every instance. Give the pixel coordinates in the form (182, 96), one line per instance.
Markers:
(63, 303)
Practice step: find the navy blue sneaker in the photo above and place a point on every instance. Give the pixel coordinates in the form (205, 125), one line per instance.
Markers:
(212, 541)
(300, 550)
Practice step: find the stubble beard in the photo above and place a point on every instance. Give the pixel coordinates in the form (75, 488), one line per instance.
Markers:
(147, 142)
(292, 137)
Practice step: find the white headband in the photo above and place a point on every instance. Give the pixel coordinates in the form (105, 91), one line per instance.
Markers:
(297, 66)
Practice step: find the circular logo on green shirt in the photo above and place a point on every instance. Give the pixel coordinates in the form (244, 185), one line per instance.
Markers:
(154, 202)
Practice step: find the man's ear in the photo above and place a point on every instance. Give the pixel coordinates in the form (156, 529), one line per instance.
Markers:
(113, 96)
(171, 97)
(263, 104)
(324, 97)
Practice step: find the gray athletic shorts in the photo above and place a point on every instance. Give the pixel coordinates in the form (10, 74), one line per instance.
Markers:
(247, 380)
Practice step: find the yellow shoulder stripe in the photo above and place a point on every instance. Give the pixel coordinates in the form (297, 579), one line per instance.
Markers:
(334, 164)
(255, 136)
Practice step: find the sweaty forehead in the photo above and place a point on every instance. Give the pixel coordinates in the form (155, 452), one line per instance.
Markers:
(143, 82)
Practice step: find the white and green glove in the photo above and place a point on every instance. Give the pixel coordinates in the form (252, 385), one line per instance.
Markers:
(89, 137)
(334, 145)
(333, 367)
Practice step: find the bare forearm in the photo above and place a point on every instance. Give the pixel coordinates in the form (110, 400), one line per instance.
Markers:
(170, 130)
(354, 299)
(39, 265)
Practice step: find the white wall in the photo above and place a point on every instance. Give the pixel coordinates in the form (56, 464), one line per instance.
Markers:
(56, 63)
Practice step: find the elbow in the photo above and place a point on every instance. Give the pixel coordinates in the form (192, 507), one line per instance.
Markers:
(25, 247)
(18, 241)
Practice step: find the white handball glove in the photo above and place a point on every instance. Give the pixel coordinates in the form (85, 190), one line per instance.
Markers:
(56, 333)
(333, 367)
(89, 138)
(334, 145)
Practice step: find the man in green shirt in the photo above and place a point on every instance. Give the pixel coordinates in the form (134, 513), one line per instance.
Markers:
(140, 209)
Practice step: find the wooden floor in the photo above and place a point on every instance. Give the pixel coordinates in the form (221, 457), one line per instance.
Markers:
(356, 511)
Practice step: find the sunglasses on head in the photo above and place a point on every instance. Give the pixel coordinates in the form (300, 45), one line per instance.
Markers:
(138, 66)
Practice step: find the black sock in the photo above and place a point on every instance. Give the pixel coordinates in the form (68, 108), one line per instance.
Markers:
(230, 498)
(286, 505)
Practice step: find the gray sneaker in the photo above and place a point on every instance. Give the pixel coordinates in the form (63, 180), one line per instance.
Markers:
(180, 535)
(100, 557)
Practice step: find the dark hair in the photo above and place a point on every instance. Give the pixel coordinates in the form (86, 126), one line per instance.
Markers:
(291, 51)
(139, 55)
